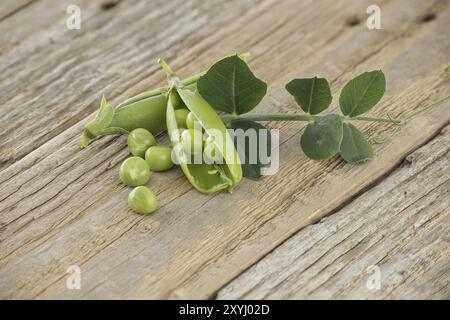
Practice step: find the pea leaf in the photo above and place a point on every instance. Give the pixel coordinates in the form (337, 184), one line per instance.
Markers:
(362, 93)
(230, 86)
(246, 147)
(354, 146)
(322, 138)
(312, 95)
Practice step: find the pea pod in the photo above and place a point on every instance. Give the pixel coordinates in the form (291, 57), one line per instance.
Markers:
(146, 110)
(148, 113)
(206, 178)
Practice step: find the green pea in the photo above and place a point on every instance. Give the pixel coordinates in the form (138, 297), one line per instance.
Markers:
(134, 172)
(190, 120)
(139, 140)
(210, 153)
(192, 141)
(180, 116)
(142, 200)
(159, 158)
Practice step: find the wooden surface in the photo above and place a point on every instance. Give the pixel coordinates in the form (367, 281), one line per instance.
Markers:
(62, 206)
(397, 226)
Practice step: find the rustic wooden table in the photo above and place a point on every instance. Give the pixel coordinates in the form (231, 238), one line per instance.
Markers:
(313, 230)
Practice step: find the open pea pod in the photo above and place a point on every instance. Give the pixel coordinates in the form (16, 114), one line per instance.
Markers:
(206, 178)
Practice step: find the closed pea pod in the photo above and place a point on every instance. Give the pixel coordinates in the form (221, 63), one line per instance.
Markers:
(147, 113)
(146, 110)
(159, 158)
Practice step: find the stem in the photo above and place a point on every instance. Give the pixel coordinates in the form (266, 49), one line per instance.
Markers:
(172, 77)
(296, 117)
(375, 119)
(267, 117)
(410, 116)
(166, 68)
(193, 79)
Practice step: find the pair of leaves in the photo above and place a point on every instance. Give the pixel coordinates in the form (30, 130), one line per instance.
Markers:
(230, 86)
(358, 96)
(329, 135)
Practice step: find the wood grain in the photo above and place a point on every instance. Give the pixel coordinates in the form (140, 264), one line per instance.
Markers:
(60, 74)
(400, 226)
(61, 205)
(9, 8)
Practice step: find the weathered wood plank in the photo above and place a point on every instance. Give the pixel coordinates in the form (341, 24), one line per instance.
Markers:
(8, 8)
(62, 206)
(60, 74)
(400, 225)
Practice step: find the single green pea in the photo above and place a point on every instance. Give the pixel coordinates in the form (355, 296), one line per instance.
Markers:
(159, 158)
(210, 153)
(180, 116)
(139, 140)
(134, 171)
(190, 120)
(142, 200)
(192, 141)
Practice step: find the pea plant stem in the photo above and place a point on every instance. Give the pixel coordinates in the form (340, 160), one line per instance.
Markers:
(425, 108)
(267, 117)
(374, 119)
(172, 77)
(294, 117)
(193, 79)
(166, 67)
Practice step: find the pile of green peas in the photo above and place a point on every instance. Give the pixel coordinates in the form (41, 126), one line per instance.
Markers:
(136, 171)
(192, 139)
(147, 157)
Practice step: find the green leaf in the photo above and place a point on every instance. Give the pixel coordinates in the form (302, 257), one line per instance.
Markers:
(354, 146)
(252, 170)
(322, 138)
(230, 86)
(362, 93)
(312, 95)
